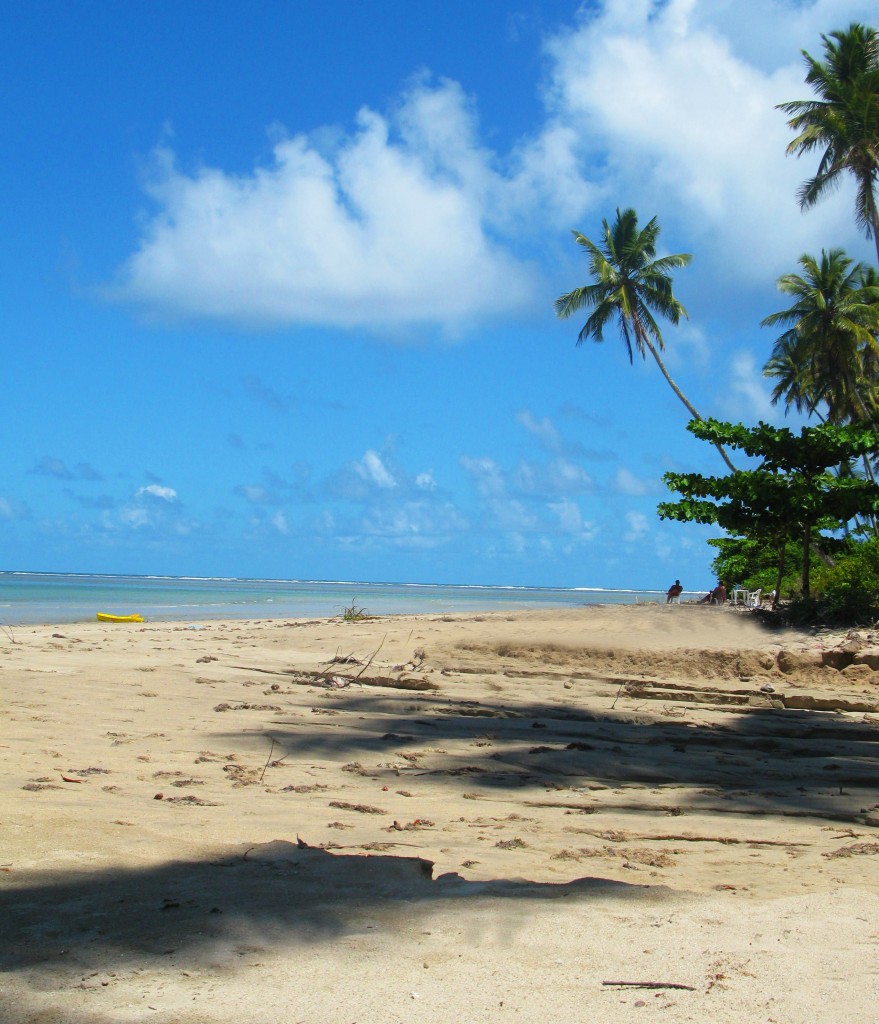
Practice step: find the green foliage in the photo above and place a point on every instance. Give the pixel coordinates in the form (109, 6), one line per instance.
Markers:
(829, 351)
(849, 590)
(842, 121)
(630, 287)
(754, 564)
(351, 613)
(629, 284)
(791, 495)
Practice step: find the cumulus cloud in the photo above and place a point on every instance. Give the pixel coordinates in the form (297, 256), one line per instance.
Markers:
(637, 526)
(157, 491)
(486, 475)
(389, 226)
(749, 391)
(689, 125)
(134, 516)
(372, 469)
(256, 494)
(153, 508)
(543, 429)
(570, 519)
(626, 482)
(414, 524)
(408, 218)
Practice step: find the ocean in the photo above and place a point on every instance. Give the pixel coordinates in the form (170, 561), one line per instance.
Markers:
(35, 598)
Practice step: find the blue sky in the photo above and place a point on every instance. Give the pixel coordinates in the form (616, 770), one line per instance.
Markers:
(278, 279)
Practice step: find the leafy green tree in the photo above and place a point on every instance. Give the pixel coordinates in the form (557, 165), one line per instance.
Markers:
(629, 285)
(842, 121)
(789, 496)
(754, 563)
(850, 588)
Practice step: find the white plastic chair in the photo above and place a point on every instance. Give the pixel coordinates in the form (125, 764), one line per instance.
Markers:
(754, 599)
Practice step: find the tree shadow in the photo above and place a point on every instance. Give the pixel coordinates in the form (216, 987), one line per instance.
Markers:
(749, 760)
(277, 891)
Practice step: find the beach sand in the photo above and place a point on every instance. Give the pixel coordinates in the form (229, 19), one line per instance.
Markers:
(440, 818)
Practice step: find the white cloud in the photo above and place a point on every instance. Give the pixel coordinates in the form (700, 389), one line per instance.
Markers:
(279, 521)
(256, 494)
(682, 117)
(372, 469)
(409, 219)
(638, 527)
(134, 516)
(157, 491)
(389, 227)
(425, 481)
(558, 476)
(570, 519)
(414, 524)
(486, 474)
(749, 391)
(564, 475)
(627, 483)
(543, 430)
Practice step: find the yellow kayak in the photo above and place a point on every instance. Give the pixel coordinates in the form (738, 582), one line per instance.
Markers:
(106, 617)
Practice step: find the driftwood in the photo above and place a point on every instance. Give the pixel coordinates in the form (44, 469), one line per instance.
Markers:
(649, 984)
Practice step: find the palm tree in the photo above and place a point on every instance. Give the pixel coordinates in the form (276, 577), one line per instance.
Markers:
(829, 351)
(843, 121)
(790, 369)
(629, 285)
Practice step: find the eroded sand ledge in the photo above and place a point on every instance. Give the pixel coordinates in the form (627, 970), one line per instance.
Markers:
(440, 818)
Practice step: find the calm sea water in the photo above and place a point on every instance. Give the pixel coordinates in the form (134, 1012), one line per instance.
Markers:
(31, 598)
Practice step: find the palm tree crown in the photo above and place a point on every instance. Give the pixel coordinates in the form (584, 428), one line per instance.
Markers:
(629, 285)
(828, 352)
(843, 121)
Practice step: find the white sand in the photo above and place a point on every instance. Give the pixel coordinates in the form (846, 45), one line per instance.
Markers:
(472, 818)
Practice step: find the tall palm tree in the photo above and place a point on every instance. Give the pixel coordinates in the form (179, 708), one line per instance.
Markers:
(829, 351)
(843, 121)
(629, 285)
(792, 372)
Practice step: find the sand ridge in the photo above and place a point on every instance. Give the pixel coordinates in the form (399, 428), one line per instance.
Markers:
(383, 818)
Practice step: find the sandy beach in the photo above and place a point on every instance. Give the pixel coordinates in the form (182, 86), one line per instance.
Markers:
(613, 813)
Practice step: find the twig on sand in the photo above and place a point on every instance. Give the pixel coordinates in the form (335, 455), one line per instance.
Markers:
(374, 653)
(268, 759)
(649, 984)
(619, 692)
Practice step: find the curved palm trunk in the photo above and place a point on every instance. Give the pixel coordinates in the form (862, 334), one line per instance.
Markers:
(683, 397)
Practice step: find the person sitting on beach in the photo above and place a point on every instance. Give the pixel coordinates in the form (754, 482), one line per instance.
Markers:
(674, 591)
(718, 595)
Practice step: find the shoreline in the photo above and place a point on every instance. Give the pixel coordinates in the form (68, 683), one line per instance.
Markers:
(33, 599)
(530, 789)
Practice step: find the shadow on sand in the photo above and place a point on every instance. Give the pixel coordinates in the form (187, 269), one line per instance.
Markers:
(275, 891)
